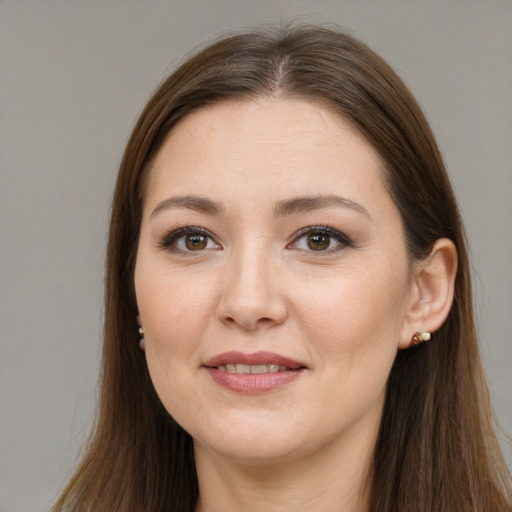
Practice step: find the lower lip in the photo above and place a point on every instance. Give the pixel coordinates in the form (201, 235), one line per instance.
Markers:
(253, 382)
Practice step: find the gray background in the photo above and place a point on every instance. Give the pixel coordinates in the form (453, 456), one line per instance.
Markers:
(73, 77)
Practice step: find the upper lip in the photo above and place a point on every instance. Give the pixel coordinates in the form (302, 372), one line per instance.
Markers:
(255, 358)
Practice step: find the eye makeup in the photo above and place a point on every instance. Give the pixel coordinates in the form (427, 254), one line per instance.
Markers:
(188, 239)
(320, 239)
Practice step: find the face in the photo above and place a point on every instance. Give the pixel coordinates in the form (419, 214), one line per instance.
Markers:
(272, 280)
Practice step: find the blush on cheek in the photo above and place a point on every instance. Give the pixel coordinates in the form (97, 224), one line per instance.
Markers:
(171, 310)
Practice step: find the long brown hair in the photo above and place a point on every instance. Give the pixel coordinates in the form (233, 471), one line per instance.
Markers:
(436, 450)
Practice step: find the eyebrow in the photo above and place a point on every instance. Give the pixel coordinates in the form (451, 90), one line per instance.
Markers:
(310, 203)
(291, 206)
(196, 203)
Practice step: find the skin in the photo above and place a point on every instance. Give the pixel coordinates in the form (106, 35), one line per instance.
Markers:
(342, 311)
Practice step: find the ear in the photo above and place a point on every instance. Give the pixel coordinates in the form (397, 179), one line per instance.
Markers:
(432, 289)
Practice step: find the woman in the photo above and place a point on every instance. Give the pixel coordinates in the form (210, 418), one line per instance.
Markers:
(284, 243)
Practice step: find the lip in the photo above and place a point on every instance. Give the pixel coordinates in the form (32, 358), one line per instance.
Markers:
(261, 357)
(250, 383)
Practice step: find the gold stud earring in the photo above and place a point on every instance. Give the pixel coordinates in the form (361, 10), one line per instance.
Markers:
(419, 337)
(142, 341)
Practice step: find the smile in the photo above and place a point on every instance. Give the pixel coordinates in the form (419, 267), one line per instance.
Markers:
(252, 368)
(255, 373)
(257, 362)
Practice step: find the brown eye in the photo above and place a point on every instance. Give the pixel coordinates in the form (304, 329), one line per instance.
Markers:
(321, 239)
(189, 239)
(318, 242)
(196, 242)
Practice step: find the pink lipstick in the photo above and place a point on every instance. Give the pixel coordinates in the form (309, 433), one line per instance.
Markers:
(253, 373)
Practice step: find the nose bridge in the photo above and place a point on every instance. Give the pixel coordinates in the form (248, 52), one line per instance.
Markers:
(251, 295)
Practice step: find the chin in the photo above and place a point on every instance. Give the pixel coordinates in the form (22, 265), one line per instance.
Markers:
(251, 452)
(252, 444)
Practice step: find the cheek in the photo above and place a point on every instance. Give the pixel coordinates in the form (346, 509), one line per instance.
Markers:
(355, 319)
(172, 310)
(173, 314)
(354, 326)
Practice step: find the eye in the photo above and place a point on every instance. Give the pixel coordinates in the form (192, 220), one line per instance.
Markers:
(320, 239)
(189, 239)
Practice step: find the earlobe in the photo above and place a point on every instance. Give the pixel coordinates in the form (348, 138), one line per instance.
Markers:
(432, 294)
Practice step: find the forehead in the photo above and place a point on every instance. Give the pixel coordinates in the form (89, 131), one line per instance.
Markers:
(266, 146)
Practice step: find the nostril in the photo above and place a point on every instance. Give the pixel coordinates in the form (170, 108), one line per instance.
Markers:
(247, 322)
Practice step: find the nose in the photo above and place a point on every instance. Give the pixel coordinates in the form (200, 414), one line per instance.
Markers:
(251, 297)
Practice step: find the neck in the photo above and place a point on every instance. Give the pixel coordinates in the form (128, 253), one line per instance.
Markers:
(326, 481)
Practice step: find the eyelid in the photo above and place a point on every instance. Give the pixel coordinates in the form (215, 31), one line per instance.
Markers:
(174, 234)
(339, 236)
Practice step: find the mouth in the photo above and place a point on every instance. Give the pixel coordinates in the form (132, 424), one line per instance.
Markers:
(253, 368)
(255, 363)
(253, 373)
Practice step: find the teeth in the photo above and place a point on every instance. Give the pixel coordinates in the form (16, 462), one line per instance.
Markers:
(252, 368)
(243, 368)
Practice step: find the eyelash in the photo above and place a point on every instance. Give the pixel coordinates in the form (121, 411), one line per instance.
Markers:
(343, 240)
(174, 235)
